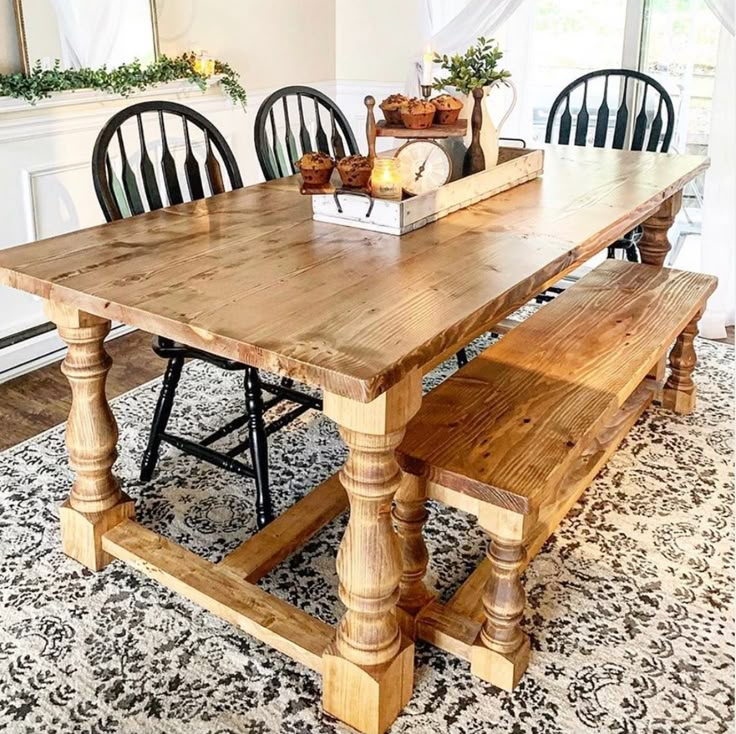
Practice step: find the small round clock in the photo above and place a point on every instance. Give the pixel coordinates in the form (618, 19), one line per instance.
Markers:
(425, 166)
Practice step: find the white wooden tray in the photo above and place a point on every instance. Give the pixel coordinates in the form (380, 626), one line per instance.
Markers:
(515, 166)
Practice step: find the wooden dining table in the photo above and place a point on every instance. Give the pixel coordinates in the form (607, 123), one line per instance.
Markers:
(249, 275)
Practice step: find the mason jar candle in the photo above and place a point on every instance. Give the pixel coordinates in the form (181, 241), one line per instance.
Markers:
(386, 179)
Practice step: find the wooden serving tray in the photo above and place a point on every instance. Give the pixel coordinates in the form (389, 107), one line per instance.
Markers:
(515, 166)
(384, 130)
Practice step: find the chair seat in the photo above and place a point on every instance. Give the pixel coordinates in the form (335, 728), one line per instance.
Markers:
(507, 427)
(169, 349)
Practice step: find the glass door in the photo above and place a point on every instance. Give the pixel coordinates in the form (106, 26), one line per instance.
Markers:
(679, 46)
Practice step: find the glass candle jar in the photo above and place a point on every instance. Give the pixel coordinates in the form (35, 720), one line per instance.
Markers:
(204, 64)
(386, 178)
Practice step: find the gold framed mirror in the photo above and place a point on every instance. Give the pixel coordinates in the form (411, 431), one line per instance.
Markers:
(86, 33)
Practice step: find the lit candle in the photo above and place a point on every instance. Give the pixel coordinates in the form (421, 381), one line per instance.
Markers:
(428, 66)
(386, 179)
(204, 64)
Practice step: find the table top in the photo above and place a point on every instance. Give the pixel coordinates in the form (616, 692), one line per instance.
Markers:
(250, 276)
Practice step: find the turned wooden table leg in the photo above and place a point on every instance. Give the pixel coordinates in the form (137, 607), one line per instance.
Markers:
(500, 654)
(654, 243)
(368, 671)
(410, 515)
(95, 503)
(654, 246)
(679, 390)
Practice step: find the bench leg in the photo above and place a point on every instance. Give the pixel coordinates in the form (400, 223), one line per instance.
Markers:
(410, 515)
(500, 654)
(679, 390)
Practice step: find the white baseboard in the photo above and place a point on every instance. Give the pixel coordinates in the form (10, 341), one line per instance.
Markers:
(40, 351)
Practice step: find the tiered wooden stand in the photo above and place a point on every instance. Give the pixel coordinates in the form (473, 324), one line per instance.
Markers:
(384, 130)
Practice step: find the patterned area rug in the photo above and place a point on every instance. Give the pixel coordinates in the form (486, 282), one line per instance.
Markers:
(630, 602)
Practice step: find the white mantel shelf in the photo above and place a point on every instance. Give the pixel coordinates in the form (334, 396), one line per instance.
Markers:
(90, 96)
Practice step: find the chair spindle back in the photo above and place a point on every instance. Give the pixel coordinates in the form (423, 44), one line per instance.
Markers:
(601, 104)
(299, 114)
(159, 132)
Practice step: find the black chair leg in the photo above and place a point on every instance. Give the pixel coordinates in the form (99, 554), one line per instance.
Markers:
(462, 358)
(161, 417)
(258, 445)
(632, 253)
(611, 253)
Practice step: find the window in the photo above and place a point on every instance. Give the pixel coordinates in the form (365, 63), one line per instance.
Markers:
(570, 39)
(679, 47)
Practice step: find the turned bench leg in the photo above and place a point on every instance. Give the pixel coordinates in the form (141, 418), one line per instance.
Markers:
(95, 504)
(410, 515)
(500, 654)
(679, 390)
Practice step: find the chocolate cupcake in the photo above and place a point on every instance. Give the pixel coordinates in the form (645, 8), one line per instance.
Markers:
(316, 168)
(391, 108)
(448, 109)
(355, 171)
(417, 114)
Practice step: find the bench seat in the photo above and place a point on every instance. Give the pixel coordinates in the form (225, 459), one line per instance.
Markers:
(508, 425)
(516, 435)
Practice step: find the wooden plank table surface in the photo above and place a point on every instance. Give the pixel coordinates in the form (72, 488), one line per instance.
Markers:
(248, 275)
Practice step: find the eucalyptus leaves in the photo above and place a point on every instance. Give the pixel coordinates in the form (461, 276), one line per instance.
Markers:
(474, 69)
(123, 80)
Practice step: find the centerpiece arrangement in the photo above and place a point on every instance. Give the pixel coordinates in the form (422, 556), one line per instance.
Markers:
(418, 182)
(474, 74)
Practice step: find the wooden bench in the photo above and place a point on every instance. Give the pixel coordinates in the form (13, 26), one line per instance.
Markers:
(517, 435)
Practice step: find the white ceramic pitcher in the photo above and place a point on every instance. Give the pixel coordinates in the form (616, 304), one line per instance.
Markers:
(489, 132)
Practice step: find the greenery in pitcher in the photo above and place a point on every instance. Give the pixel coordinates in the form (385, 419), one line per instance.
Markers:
(124, 79)
(477, 67)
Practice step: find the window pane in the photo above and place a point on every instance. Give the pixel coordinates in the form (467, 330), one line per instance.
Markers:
(679, 49)
(570, 39)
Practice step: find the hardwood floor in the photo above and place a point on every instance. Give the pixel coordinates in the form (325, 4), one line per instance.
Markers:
(39, 400)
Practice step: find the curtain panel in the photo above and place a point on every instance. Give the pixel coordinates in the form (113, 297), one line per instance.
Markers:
(719, 211)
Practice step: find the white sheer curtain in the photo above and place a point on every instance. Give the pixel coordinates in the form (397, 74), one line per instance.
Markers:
(89, 30)
(98, 32)
(455, 24)
(719, 214)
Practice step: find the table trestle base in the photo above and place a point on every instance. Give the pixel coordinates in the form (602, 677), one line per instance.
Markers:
(221, 591)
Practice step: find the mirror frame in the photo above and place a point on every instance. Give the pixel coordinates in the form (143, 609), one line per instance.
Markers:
(23, 43)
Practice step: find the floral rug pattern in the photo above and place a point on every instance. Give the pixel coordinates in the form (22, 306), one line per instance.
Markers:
(630, 607)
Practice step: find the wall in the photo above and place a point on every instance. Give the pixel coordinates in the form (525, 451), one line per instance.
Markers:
(271, 44)
(376, 40)
(279, 53)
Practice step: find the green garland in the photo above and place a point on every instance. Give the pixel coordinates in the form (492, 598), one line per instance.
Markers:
(123, 80)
